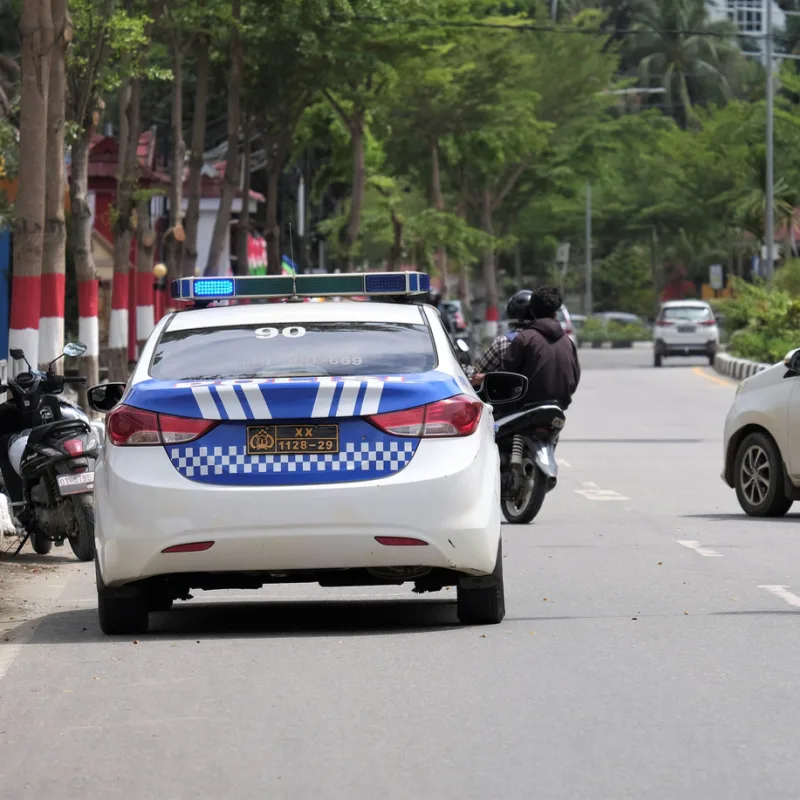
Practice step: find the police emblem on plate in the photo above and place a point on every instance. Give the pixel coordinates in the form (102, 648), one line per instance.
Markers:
(260, 440)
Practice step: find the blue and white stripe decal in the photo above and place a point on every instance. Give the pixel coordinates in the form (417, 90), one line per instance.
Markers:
(294, 398)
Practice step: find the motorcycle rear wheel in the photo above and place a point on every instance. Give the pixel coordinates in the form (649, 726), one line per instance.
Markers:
(522, 509)
(82, 539)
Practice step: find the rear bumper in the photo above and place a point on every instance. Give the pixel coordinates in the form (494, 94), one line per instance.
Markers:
(705, 347)
(447, 496)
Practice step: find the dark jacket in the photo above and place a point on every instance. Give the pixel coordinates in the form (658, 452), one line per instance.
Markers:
(546, 356)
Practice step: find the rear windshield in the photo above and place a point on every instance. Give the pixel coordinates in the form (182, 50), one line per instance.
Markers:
(286, 351)
(694, 313)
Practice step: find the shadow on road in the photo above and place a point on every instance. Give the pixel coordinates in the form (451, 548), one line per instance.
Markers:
(267, 619)
(742, 517)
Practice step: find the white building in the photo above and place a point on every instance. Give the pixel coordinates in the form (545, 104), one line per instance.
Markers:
(749, 15)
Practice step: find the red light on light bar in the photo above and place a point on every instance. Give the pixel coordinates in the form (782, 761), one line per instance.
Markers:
(400, 541)
(192, 547)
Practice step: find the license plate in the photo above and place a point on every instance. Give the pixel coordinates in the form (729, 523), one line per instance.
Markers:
(78, 483)
(686, 329)
(292, 439)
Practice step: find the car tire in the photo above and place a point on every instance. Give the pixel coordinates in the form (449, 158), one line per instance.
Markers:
(481, 600)
(120, 615)
(758, 475)
(657, 360)
(712, 357)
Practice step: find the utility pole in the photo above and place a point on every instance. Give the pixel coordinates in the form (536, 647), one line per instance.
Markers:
(589, 298)
(769, 232)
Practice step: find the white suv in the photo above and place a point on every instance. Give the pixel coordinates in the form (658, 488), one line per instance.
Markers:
(685, 328)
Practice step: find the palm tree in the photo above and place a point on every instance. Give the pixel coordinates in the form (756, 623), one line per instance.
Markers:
(679, 48)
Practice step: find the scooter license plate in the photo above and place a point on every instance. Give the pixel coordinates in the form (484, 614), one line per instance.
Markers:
(79, 483)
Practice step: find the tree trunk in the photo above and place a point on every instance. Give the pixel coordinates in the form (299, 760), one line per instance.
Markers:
(129, 129)
(203, 65)
(85, 271)
(274, 170)
(230, 186)
(175, 236)
(145, 245)
(36, 31)
(440, 258)
(243, 228)
(51, 324)
(489, 271)
(357, 125)
(396, 250)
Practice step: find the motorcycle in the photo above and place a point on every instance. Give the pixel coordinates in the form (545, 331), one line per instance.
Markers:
(48, 466)
(527, 441)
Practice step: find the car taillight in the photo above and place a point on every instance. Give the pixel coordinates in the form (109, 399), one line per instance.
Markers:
(73, 446)
(663, 323)
(708, 322)
(568, 330)
(455, 416)
(127, 426)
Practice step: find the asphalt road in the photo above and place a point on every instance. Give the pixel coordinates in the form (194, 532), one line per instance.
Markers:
(641, 657)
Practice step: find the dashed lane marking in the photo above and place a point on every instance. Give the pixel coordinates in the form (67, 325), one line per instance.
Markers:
(562, 463)
(783, 593)
(591, 491)
(702, 551)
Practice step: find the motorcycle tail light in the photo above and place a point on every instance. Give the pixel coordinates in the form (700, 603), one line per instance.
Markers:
(455, 416)
(73, 446)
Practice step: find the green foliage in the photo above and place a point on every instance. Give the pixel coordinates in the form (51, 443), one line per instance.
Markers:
(787, 277)
(763, 322)
(624, 281)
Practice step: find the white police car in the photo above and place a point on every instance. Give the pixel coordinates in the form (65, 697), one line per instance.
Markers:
(337, 443)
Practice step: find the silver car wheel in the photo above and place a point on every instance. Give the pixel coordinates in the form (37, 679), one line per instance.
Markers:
(755, 475)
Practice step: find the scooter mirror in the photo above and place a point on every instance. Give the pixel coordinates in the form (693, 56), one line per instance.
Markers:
(105, 396)
(16, 353)
(503, 387)
(74, 349)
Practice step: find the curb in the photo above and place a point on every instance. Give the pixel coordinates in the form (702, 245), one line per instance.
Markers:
(738, 368)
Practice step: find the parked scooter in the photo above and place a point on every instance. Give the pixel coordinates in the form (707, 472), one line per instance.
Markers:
(526, 439)
(48, 467)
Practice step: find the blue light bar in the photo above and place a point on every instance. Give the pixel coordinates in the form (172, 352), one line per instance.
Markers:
(372, 284)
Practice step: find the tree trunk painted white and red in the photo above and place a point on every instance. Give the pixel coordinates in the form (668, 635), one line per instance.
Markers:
(85, 270)
(37, 36)
(51, 323)
(145, 241)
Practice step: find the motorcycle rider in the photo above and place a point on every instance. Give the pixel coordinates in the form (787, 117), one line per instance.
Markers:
(537, 348)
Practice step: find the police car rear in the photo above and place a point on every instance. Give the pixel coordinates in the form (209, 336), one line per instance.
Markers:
(336, 443)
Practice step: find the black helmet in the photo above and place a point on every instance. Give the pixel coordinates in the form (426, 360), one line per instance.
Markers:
(518, 309)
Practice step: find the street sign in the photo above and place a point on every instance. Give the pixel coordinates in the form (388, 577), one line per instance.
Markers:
(562, 253)
(715, 277)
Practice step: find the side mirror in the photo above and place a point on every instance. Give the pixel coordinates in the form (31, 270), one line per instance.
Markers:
(792, 361)
(464, 357)
(16, 353)
(74, 349)
(105, 397)
(503, 387)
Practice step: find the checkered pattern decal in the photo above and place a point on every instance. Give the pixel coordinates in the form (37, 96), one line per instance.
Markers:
(373, 455)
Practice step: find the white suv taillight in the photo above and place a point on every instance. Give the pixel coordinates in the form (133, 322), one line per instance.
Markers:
(127, 426)
(455, 416)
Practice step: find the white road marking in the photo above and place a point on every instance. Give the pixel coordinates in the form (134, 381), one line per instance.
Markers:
(562, 463)
(591, 491)
(703, 551)
(783, 593)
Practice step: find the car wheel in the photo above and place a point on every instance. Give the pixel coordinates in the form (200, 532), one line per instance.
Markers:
(120, 615)
(758, 477)
(657, 360)
(711, 358)
(481, 600)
